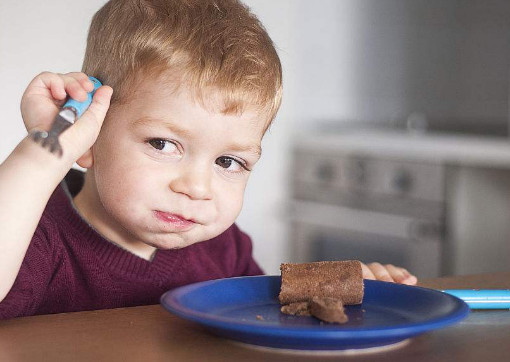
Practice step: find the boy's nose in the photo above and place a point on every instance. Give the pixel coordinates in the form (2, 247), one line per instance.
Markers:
(194, 182)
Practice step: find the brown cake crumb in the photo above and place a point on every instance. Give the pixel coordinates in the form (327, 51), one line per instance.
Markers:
(298, 308)
(329, 310)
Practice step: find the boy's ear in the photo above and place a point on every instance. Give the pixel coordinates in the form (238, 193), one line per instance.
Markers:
(86, 160)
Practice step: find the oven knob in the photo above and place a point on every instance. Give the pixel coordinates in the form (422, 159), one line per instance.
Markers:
(325, 172)
(359, 171)
(402, 181)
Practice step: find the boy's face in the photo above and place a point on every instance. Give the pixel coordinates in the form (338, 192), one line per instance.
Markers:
(167, 172)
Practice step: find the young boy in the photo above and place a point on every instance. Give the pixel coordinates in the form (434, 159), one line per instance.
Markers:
(195, 86)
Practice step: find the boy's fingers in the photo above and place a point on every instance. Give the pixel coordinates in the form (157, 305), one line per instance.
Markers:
(388, 273)
(401, 275)
(74, 87)
(82, 135)
(410, 279)
(47, 81)
(397, 274)
(367, 273)
(75, 84)
(380, 272)
(83, 79)
(94, 116)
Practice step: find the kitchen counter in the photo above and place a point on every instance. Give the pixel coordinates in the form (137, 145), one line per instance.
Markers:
(462, 150)
(149, 333)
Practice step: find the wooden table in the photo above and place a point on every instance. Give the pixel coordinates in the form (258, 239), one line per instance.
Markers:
(149, 333)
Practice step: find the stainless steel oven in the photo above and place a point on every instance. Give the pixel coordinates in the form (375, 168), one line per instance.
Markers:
(368, 208)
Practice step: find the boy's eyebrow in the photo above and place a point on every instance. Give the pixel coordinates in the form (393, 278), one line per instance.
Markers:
(173, 127)
(257, 150)
(254, 149)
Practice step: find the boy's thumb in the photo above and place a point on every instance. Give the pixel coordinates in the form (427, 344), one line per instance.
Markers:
(78, 138)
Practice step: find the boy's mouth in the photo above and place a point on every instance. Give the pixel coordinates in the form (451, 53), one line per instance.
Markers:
(175, 220)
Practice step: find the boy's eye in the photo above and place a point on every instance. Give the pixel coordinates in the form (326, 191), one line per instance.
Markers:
(230, 164)
(162, 145)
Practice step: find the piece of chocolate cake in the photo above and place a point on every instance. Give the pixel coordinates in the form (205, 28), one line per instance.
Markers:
(298, 308)
(335, 279)
(327, 309)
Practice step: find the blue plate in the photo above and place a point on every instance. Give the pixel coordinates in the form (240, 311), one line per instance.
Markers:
(246, 309)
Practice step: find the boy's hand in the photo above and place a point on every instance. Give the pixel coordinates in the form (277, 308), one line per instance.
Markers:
(388, 273)
(47, 93)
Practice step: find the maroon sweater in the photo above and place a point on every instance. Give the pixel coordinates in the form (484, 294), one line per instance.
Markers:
(70, 267)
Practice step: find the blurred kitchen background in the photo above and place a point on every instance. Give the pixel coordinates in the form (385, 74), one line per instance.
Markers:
(392, 143)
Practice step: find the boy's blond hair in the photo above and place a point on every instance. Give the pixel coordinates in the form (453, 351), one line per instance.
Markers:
(206, 44)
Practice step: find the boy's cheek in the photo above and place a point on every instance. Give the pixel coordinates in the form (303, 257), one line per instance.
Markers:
(229, 204)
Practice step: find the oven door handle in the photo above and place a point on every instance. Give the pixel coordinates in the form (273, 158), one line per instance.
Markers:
(358, 220)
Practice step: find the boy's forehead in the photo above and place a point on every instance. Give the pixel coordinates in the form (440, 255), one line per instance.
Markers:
(159, 104)
(167, 88)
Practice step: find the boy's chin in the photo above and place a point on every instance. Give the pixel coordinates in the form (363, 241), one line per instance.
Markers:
(172, 243)
(170, 240)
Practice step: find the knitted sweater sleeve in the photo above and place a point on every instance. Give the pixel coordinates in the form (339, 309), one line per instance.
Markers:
(246, 265)
(35, 273)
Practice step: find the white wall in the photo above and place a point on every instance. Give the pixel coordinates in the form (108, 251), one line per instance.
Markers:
(316, 47)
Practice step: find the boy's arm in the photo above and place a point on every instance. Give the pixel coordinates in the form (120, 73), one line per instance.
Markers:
(30, 174)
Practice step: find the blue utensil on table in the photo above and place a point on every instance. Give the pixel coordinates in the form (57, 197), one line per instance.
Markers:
(483, 298)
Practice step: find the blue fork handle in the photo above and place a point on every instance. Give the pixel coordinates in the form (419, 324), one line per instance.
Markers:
(81, 107)
(483, 298)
